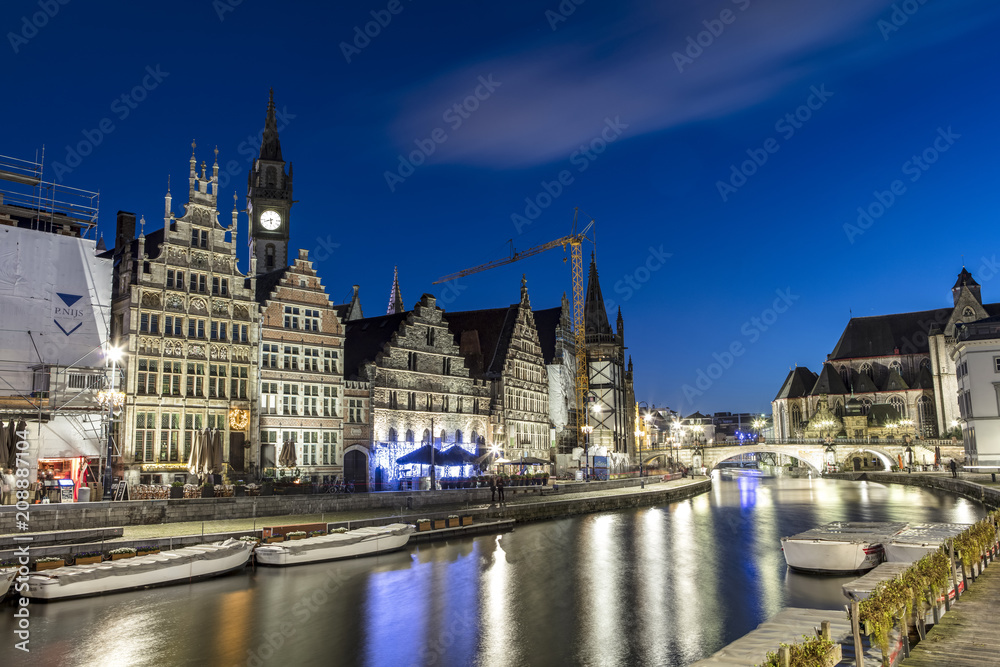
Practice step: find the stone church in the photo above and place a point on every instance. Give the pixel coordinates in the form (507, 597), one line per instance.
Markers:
(894, 370)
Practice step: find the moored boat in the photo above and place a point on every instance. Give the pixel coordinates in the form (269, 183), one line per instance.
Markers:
(169, 567)
(920, 539)
(359, 542)
(6, 581)
(840, 547)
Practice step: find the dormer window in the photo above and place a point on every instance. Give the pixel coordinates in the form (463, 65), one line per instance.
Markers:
(968, 312)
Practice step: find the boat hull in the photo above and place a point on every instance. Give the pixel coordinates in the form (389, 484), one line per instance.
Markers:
(6, 581)
(278, 555)
(831, 556)
(48, 588)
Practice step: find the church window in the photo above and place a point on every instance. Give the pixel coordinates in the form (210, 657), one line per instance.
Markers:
(409, 435)
(426, 436)
(796, 417)
(271, 177)
(458, 437)
(968, 312)
(899, 405)
(838, 408)
(928, 420)
(896, 366)
(866, 405)
(392, 435)
(866, 369)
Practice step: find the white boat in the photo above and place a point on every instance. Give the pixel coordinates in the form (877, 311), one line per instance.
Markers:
(169, 567)
(920, 539)
(358, 542)
(6, 581)
(840, 547)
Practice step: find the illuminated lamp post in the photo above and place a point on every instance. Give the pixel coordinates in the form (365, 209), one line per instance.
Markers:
(111, 399)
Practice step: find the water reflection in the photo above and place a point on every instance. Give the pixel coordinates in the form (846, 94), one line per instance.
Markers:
(653, 586)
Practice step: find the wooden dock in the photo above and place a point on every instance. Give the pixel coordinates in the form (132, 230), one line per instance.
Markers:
(968, 635)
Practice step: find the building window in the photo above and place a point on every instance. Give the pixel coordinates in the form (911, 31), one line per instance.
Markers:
(329, 401)
(269, 398)
(458, 437)
(866, 369)
(311, 319)
(198, 283)
(896, 366)
(429, 403)
(269, 355)
(290, 402)
(996, 364)
(238, 382)
(392, 437)
(216, 381)
(170, 278)
(243, 333)
(899, 405)
(409, 435)
(269, 257)
(446, 366)
(291, 361)
(968, 312)
(411, 361)
(195, 380)
(393, 402)
(220, 286)
(145, 431)
(291, 317)
(411, 400)
(149, 323)
(796, 417)
(330, 361)
(329, 448)
(173, 326)
(146, 379)
(866, 406)
(430, 336)
(218, 330)
(310, 362)
(928, 419)
(310, 404)
(171, 385)
(170, 424)
(355, 411)
(444, 403)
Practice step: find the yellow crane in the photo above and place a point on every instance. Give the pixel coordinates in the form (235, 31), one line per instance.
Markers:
(575, 241)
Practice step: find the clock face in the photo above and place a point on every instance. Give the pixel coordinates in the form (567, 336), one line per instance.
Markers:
(270, 220)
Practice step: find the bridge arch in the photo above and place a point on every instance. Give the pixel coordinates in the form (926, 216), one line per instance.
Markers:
(813, 457)
(887, 460)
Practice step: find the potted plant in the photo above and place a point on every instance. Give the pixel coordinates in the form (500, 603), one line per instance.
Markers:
(146, 550)
(340, 531)
(545, 479)
(88, 558)
(297, 535)
(467, 520)
(48, 563)
(176, 490)
(316, 533)
(423, 524)
(239, 488)
(208, 490)
(453, 521)
(275, 538)
(249, 538)
(267, 489)
(439, 524)
(122, 552)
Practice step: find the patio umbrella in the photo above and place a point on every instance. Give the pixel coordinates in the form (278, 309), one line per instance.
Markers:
(422, 456)
(194, 463)
(455, 456)
(206, 456)
(4, 449)
(216, 450)
(287, 458)
(533, 461)
(12, 444)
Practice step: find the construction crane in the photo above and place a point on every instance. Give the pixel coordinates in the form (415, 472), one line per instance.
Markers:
(575, 241)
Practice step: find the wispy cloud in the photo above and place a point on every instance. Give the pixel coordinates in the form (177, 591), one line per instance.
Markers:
(560, 85)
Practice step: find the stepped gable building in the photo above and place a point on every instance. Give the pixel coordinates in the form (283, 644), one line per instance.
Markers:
(189, 324)
(501, 346)
(903, 361)
(301, 370)
(555, 337)
(419, 385)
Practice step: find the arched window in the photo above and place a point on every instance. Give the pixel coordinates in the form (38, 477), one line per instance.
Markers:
(458, 437)
(968, 312)
(444, 435)
(925, 363)
(783, 422)
(845, 374)
(475, 437)
(838, 408)
(928, 420)
(796, 417)
(392, 435)
(409, 435)
(427, 436)
(896, 366)
(866, 369)
(271, 177)
(900, 406)
(866, 406)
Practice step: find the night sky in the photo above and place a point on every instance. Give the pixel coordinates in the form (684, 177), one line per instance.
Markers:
(637, 113)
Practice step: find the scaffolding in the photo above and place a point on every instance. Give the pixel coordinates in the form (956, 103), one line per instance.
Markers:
(32, 202)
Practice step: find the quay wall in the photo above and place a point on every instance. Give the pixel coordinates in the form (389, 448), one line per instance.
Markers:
(986, 495)
(107, 514)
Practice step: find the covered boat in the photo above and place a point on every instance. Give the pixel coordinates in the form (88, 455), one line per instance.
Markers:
(170, 567)
(840, 547)
(358, 542)
(920, 539)
(6, 581)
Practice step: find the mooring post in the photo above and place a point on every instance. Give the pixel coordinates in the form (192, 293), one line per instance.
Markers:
(954, 577)
(859, 649)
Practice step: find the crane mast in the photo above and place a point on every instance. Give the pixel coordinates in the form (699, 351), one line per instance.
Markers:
(575, 242)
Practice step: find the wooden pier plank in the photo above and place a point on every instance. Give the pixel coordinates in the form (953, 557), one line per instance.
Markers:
(967, 635)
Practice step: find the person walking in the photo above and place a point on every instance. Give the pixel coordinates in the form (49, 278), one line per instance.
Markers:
(7, 483)
(503, 501)
(493, 489)
(954, 468)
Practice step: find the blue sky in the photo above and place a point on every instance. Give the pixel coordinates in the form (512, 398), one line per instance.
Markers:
(636, 113)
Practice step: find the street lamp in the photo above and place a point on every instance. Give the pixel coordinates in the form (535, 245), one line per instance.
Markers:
(111, 399)
(639, 432)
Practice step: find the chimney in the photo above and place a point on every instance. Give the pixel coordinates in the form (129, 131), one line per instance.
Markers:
(125, 230)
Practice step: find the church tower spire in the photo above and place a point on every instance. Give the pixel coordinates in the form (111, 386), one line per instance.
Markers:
(269, 198)
(594, 313)
(395, 296)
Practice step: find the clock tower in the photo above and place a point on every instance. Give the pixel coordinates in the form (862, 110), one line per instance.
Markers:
(269, 199)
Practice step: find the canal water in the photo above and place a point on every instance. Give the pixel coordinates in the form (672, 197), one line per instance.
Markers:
(654, 586)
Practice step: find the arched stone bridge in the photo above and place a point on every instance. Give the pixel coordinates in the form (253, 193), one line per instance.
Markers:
(813, 454)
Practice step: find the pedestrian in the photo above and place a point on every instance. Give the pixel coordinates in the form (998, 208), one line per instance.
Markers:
(954, 468)
(493, 489)
(500, 491)
(7, 482)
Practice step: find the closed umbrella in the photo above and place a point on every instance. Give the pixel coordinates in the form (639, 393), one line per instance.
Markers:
(287, 458)
(12, 444)
(194, 463)
(216, 451)
(4, 449)
(206, 452)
